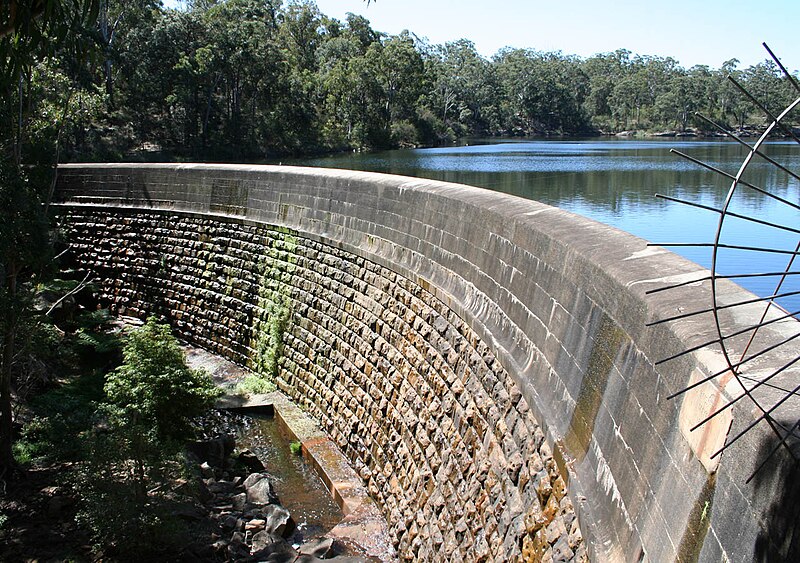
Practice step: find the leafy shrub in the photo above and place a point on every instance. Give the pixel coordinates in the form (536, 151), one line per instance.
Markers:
(404, 134)
(63, 416)
(153, 397)
(124, 520)
(154, 387)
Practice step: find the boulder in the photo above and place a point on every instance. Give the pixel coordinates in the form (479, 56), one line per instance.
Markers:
(259, 489)
(269, 548)
(250, 462)
(239, 501)
(321, 548)
(214, 451)
(278, 521)
(221, 487)
(262, 540)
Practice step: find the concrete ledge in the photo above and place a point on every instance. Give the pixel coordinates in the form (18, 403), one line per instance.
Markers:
(363, 524)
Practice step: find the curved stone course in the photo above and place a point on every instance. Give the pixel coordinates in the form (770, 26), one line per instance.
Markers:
(431, 421)
(482, 360)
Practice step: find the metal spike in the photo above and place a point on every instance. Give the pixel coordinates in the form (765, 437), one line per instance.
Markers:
(783, 68)
(739, 332)
(732, 177)
(749, 147)
(758, 384)
(729, 213)
(721, 277)
(752, 425)
(720, 307)
(731, 368)
(781, 442)
(761, 106)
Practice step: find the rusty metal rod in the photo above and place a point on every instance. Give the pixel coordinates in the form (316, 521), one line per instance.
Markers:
(783, 68)
(749, 147)
(727, 369)
(728, 246)
(731, 368)
(756, 386)
(720, 307)
(766, 309)
(752, 425)
(738, 332)
(721, 277)
(732, 177)
(774, 450)
(761, 106)
(729, 213)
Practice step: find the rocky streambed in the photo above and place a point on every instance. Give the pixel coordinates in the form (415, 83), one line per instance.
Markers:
(238, 490)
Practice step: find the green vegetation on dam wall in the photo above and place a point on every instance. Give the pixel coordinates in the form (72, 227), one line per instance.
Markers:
(483, 360)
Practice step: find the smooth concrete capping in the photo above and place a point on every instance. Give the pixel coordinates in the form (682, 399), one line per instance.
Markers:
(560, 302)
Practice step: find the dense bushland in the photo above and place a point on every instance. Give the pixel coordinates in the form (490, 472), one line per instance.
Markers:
(249, 79)
(112, 422)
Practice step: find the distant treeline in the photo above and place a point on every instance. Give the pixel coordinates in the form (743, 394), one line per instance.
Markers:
(237, 79)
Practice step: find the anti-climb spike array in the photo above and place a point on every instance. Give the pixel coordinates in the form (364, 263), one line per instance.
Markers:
(772, 230)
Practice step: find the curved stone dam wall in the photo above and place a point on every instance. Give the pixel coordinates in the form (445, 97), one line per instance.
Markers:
(482, 360)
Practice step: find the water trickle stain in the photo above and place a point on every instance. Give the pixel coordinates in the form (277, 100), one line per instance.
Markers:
(607, 342)
(561, 458)
(424, 284)
(699, 520)
(229, 196)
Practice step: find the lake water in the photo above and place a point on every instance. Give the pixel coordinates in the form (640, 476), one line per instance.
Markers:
(616, 181)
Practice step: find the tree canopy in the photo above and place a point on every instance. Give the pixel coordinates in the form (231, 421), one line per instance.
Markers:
(250, 79)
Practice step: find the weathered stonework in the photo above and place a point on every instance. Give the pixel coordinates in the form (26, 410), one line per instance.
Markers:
(434, 425)
(413, 313)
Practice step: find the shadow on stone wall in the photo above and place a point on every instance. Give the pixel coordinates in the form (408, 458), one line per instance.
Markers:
(779, 479)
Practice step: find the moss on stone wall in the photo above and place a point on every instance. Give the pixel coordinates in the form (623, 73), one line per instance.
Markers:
(274, 311)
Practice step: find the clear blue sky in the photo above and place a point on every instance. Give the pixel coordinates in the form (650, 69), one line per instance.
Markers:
(692, 31)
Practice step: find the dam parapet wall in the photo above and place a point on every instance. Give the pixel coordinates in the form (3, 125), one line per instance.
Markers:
(481, 359)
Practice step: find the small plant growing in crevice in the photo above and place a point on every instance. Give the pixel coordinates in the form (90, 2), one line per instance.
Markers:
(255, 385)
(296, 447)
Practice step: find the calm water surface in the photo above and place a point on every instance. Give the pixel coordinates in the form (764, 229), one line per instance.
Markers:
(297, 485)
(616, 181)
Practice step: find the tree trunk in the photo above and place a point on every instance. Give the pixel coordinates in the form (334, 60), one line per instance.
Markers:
(18, 137)
(7, 463)
(109, 81)
(107, 34)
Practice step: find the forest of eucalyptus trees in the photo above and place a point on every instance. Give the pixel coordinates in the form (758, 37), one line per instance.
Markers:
(252, 79)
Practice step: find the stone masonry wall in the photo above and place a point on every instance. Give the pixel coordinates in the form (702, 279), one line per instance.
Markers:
(555, 306)
(433, 423)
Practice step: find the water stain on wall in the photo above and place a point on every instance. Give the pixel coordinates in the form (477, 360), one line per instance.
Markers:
(607, 341)
(699, 520)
